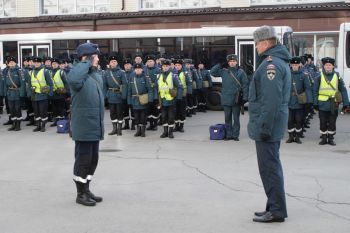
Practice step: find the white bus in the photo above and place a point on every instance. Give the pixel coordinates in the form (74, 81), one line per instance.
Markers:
(210, 44)
(343, 59)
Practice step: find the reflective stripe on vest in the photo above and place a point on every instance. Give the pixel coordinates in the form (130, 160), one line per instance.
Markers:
(183, 80)
(165, 86)
(326, 90)
(39, 81)
(57, 81)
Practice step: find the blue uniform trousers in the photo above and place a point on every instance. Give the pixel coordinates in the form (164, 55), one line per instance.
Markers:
(15, 109)
(270, 169)
(86, 160)
(232, 130)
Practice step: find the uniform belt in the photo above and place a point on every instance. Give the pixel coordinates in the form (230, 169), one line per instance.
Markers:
(13, 88)
(114, 89)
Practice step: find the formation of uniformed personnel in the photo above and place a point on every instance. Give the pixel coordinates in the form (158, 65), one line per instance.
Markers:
(151, 72)
(204, 75)
(269, 94)
(329, 92)
(301, 94)
(87, 114)
(234, 94)
(14, 89)
(40, 88)
(139, 89)
(115, 85)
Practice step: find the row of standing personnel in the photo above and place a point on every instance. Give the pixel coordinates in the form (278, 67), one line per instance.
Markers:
(42, 86)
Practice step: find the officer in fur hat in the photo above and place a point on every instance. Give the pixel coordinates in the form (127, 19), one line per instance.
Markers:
(204, 75)
(329, 92)
(269, 94)
(87, 125)
(128, 112)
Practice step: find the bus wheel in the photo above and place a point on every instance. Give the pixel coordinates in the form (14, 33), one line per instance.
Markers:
(214, 99)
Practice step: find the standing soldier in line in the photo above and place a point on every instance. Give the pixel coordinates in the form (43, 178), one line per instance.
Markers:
(60, 91)
(114, 86)
(181, 102)
(190, 89)
(128, 112)
(41, 86)
(234, 94)
(29, 102)
(47, 61)
(300, 87)
(329, 92)
(86, 84)
(139, 85)
(4, 98)
(204, 75)
(2, 92)
(169, 90)
(151, 72)
(14, 86)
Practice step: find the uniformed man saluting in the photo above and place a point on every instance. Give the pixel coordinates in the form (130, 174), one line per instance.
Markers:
(86, 86)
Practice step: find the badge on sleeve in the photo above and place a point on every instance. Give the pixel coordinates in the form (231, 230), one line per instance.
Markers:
(271, 71)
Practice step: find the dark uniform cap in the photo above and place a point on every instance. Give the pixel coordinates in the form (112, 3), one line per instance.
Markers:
(295, 60)
(137, 66)
(187, 61)
(264, 33)
(25, 58)
(231, 57)
(112, 57)
(11, 58)
(178, 61)
(150, 57)
(201, 62)
(47, 59)
(138, 55)
(307, 55)
(87, 49)
(55, 60)
(166, 62)
(37, 59)
(127, 61)
(328, 60)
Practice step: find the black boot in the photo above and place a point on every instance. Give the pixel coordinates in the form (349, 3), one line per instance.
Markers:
(291, 138)
(126, 124)
(42, 127)
(13, 127)
(91, 195)
(143, 131)
(38, 126)
(9, 122)
(165, 133)
(324, 140)
(114, 131)
(31, 121)
(331, 139)
(138, 131)
(171, 135)
(54, 124)
(150, 124)
(297, 138)
(18, 125)
(176, 127)
(82, 197)
(181, 127)
(132, 124)
(155, 125)
(119, 129)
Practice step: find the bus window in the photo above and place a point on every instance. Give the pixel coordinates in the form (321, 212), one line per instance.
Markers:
(347, 49)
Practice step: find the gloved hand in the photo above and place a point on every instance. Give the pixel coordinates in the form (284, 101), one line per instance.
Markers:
(265, 136)
(316, 107)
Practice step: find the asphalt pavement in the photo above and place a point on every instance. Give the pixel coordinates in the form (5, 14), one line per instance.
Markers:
(184, 185)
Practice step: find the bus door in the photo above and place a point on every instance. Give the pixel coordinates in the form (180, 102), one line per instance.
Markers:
(246, 56)
(41, 49)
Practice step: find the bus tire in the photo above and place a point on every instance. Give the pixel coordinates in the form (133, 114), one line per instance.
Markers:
(214, 99)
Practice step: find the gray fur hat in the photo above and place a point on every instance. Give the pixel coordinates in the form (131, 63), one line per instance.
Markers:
(264, 32)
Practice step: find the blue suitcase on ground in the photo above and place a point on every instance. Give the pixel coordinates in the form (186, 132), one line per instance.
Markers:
(63, 126)
(217, 132)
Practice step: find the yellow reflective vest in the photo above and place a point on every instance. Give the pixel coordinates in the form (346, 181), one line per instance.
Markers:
(164, 87)
(326, 90)
(57, 81)
(38, 81)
